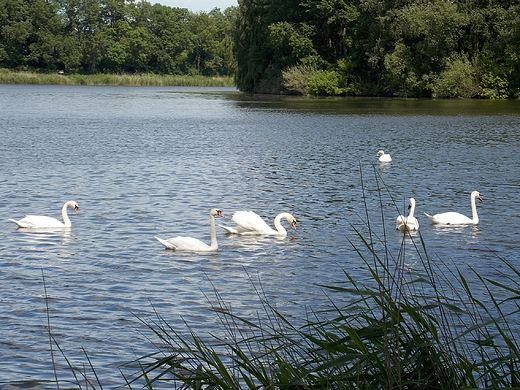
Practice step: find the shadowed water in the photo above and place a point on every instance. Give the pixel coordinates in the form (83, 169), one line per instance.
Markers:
(145, 162)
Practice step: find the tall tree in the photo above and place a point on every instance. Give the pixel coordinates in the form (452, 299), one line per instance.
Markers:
(15, 28)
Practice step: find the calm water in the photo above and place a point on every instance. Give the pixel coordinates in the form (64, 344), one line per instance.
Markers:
(153, 161)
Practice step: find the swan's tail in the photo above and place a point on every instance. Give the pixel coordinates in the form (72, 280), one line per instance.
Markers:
(166, 244)
(430, 217)
(22, 225)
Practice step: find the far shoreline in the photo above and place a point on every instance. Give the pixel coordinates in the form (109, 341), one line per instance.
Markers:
(145, 79)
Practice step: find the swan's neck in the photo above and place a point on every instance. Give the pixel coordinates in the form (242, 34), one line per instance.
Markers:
(64, 215)
(213, 232)
(278, 225)
(474, 210)
(412, 210)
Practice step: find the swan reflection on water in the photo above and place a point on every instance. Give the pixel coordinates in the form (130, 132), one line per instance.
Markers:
(40, 235)
(39, 239)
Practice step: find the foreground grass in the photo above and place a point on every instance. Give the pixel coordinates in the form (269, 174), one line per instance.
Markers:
(394, 336)
(10, 77)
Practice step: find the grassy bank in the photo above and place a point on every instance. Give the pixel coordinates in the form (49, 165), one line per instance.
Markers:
(10, 77)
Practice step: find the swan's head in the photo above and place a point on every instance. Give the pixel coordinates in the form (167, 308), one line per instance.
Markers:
(291, 220)
(476, 194)
(380, 153)
(73, 205)
(411, 203)
(214, 212)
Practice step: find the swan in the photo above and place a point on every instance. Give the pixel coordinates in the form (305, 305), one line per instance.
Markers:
(248, 222)
(384, 157)
(192, 244)
(452, 218)
(410, 222)
(42, 222)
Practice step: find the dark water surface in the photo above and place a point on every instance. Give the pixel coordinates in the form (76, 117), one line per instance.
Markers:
(153, 161)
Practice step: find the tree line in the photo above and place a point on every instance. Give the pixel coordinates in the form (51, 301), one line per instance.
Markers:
(114, 36)
(414, 48)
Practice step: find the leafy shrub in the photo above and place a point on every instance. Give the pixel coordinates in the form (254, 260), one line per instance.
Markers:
(494, 87)
(325, 83)
(459, 79)
(295, 79)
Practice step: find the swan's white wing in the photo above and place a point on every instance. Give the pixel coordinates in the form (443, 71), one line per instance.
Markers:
(400, 222)
(251, 222)
(184, 244)
(38, 221)
(233, 229)
(450, 218)
(407, 223)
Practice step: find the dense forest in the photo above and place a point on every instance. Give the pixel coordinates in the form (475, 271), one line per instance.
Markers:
(421, 48)
(408, 48)
(114, 36)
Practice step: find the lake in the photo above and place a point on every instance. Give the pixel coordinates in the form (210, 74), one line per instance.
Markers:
(152, 161)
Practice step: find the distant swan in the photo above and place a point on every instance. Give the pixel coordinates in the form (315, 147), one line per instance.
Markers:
(452, 218)
(193, 244)
(410, 222)
(383, 157)
(42, 222)
(249, 223)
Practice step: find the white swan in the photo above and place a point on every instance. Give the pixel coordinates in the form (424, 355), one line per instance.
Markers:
(251, 223)
(192, 244)
(42, 222)
(410, 222)
(384, 157)
(452, 218)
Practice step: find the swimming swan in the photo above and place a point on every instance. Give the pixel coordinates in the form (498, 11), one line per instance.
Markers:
(456, 218)
(410, 222)
(383, 157)
(42, 222)
(250, 223)
(193, 244)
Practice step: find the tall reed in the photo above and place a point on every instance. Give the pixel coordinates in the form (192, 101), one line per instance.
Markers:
(11, 77)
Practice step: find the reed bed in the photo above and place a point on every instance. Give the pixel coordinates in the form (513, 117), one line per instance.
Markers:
(10, 77)
(394, 336)
(409, 329)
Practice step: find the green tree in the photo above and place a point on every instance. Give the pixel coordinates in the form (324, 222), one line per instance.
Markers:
(458, 79)
(291, 44)
(45, 42)
(170, 37)
(331, 19)
(205, 56)
(83, 32)
(15, 28)
(426, 34)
